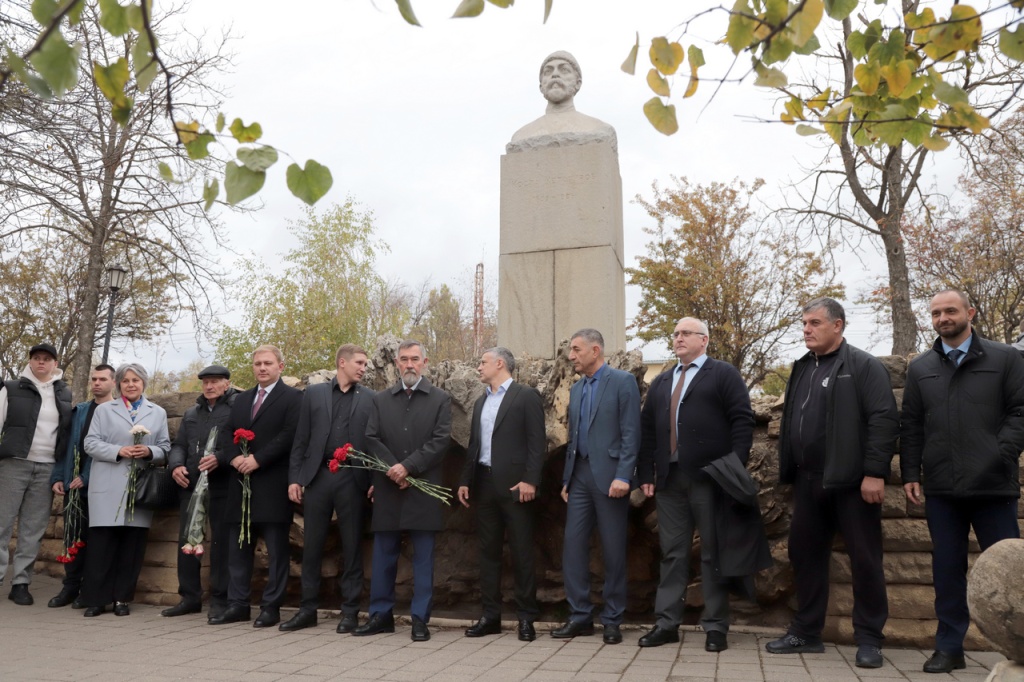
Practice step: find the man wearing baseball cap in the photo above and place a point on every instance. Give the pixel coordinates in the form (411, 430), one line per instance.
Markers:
(35, 414)
(187, 459)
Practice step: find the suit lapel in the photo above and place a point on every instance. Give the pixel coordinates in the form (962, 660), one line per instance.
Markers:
(595, 399)
(701, 373)
(269, 400)
(122, 411)
(506, 403)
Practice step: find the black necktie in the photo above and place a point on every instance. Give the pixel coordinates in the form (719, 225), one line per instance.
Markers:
(955, 356)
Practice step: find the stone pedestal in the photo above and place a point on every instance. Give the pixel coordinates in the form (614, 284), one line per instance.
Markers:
(561, 254)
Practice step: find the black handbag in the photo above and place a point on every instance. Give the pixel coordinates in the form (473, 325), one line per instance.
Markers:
(155, 489)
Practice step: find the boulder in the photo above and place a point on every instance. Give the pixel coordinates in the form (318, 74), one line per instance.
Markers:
(995, 598)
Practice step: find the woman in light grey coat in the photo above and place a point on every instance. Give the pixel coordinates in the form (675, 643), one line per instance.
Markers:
(117, 535)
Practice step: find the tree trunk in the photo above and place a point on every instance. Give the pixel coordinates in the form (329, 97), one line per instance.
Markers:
(90, 311)
(904, 325)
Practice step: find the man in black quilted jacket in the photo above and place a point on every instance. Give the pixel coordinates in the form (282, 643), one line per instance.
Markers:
(963, 429)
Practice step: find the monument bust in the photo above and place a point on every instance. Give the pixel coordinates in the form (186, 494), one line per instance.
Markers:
(561, 125)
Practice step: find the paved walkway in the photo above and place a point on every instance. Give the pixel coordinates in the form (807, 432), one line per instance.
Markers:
(38, 643)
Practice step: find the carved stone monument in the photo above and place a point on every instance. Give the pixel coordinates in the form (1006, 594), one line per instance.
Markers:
(561, 255)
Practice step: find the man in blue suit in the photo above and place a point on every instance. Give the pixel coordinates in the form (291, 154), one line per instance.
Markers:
(600, 460)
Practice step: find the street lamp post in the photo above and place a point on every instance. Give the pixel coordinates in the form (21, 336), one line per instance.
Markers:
(116, 275)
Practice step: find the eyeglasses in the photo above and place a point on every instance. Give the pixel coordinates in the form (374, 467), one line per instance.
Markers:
(687, 333)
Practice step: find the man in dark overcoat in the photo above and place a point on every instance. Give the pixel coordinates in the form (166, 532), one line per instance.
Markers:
(409, 430)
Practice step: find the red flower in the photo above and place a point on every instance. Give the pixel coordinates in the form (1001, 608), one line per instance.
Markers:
(72, 550)
(244, 434)
(333, 465)
(79, 544)
(340, 454)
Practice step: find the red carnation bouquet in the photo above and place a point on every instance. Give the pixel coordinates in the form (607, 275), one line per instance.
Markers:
(242, 438)
(349, 456)
(74, 515)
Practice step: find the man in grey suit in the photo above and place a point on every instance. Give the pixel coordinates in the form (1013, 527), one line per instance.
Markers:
(503, 468)
(332, 415)
(600, 461)
(410, 430)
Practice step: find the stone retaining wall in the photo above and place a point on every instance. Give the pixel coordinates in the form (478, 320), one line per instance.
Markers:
(906, 540)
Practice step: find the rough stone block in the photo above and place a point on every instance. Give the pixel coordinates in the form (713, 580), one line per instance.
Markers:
(905, 601)
(526, 308)
(590, 292)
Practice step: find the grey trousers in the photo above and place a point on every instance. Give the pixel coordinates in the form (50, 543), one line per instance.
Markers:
(25, 496)
(685, 504)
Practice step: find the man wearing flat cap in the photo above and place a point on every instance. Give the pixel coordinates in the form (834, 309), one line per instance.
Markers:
(186, 461)
(35, 415)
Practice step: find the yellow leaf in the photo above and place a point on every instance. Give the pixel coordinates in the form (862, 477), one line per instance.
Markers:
(662, 117)
(868, 77)
(187, 132)
(935, 143)
(806, 21)
(665, 56)
(629, 66)
(696, 57)
(897, 76)
(819, 102)
(658, 84)
(740, 33)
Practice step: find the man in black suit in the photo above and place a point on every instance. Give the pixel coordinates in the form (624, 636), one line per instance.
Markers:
(503, 468)
(270, 410)
(332, 415)
(410, 430)
(694, 413)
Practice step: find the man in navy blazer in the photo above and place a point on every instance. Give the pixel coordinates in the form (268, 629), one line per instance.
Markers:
(694, 413)
(600, 461)
(332, 415)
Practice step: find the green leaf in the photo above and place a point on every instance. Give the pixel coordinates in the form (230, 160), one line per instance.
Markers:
(808, 48)
(220, 121)
(629, 66)
(741, 27)
(122, 109)
(662, 117)
(855, 43)
(143, 62)
(43, 11)
(769, 78)
(666, 56)
(133, 13)
(114, 17)
(839, 9)
(244, 133)
(778, 50)
(469, 8)
(696, 57)
(504, 4)
(935, 143)
(806, 21)
(1011, 43)
(57, 63)
(165, 172)
(807, 131)
(405, 9)
(949, 94)
(74, 15)
(34, 82)
(210, 193)
(197, 147)
(311, 183)
(257, 158)
(240, 183)
(111, 79)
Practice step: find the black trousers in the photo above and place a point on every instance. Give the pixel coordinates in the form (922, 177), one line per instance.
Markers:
(240, 564)
(190, 585)
(74, 571)
(327, 494)
(498, 512)
(114, 564)
(817, 515)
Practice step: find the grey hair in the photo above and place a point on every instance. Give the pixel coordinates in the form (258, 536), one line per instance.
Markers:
(134, 368)
(561, 54)
(832, 307)
(505, 355)
(701, 325)
(409, 343)
(589, 335)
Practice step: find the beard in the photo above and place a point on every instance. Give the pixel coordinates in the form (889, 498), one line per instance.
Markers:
(409, 378)
(951, 331)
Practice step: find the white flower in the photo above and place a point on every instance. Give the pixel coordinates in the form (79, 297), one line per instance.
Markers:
(139, 430)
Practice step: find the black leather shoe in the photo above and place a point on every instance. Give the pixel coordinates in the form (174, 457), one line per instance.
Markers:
(869, 656)
(93, 611)
(121, 608)
(658, 636)
(612, 634)
(573, 629)
(300, 621)
(348, 624)
(791, 644)
(378, 623)
(232, 614)
(715, 641)
(268, 618)
(420, 631)
(77, 604)
(67, 595)
(484, 626)
(944, 662)
(527, 633)
(180, 609)
(216, 610)
(20, 596)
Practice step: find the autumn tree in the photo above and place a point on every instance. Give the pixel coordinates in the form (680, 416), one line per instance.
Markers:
(714, 258)
(117, 184)
(317, 296)
(42, 294)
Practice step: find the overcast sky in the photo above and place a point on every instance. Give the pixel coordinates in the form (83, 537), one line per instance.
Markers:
(413, 121)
